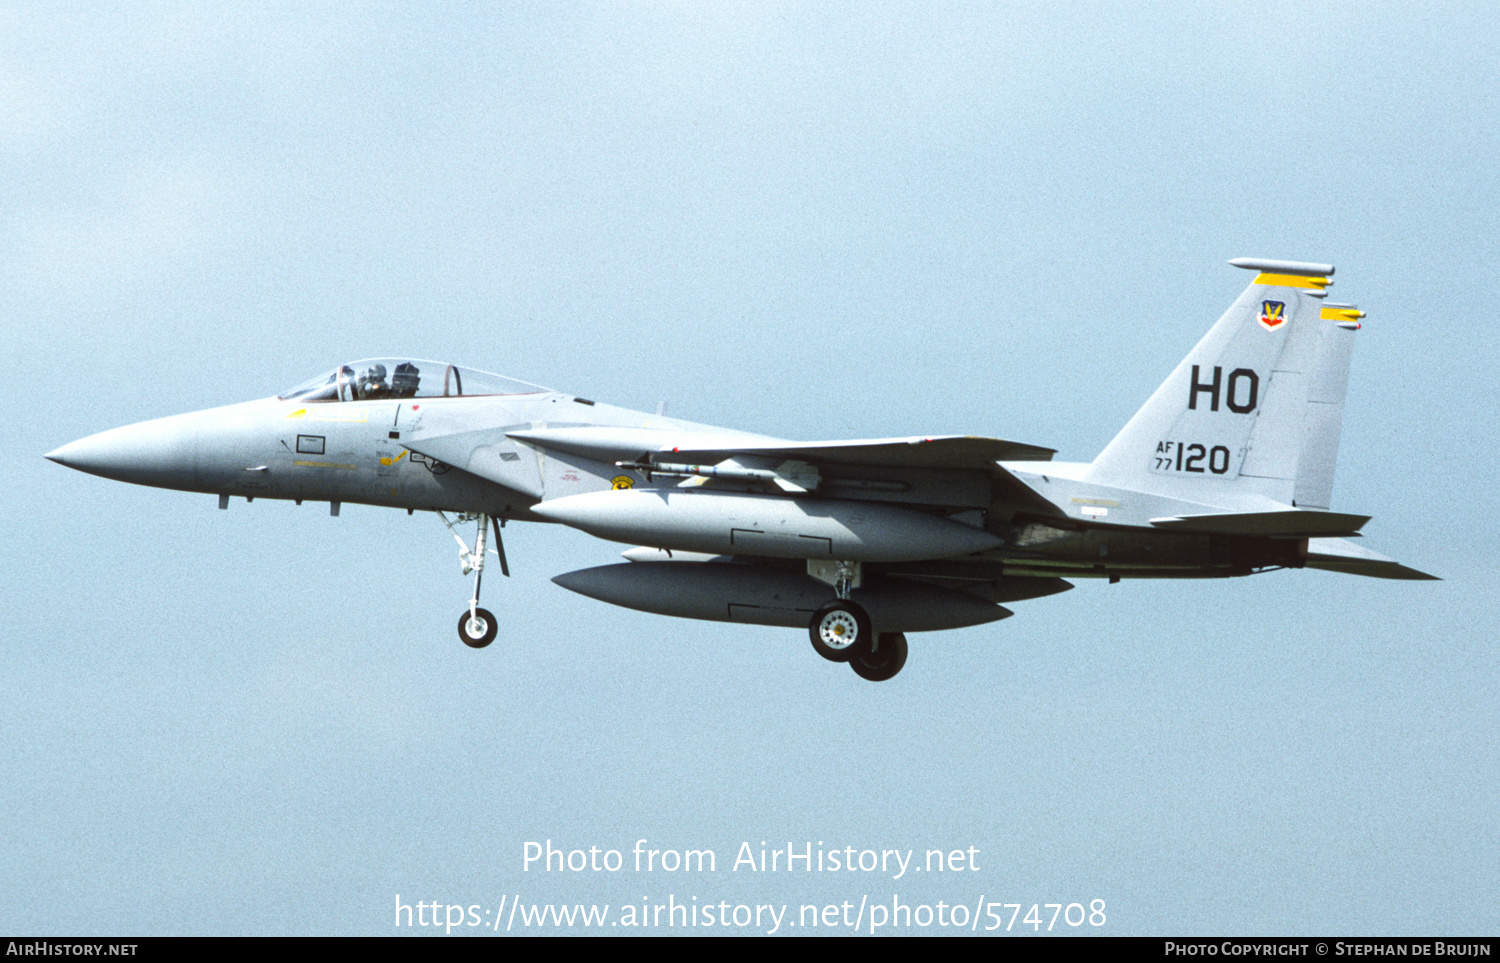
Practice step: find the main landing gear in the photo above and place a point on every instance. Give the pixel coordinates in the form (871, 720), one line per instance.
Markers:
(841, 632)
(885, 657)
(477, 627)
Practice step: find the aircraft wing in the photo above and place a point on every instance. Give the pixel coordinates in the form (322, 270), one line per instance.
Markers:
(941, 451)
(476, 440)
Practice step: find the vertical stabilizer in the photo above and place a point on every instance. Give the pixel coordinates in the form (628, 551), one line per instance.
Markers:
(1253, 412)
(1325, 406)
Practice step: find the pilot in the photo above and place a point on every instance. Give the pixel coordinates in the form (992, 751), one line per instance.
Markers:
(372, 383)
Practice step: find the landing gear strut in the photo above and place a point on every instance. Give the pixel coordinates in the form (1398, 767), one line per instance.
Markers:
(477, 627)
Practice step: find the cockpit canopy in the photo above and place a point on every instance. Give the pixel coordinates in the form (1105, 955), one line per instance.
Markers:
(380, 378)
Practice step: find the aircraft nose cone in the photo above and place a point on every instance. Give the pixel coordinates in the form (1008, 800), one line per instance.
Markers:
(161, 452)
(85, 454)
(76, 454)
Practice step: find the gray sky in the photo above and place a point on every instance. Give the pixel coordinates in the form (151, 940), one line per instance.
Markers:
(813, 221)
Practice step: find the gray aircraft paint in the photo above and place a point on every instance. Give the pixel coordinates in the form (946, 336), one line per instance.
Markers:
(1216, 475)
(767, 525)
(1324, 415)
(761, 595)
(1243, 390)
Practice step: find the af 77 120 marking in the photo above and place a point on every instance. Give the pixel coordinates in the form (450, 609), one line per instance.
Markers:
(1217, 458)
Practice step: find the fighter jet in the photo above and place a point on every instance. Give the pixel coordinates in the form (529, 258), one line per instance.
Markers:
(1226, 471)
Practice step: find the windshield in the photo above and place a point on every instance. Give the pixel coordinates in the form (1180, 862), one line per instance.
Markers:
(379, 378)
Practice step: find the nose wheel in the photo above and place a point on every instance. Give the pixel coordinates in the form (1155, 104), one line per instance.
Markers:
(477, 627)
(477, 630)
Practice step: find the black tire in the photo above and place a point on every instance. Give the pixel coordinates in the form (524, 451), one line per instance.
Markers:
(486, 618)
(885, 661)
(840, 630)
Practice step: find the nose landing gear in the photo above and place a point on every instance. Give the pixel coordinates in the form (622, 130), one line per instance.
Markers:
(477, 627)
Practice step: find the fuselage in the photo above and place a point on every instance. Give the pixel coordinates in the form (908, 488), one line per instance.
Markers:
(352, 451)
(416, 452)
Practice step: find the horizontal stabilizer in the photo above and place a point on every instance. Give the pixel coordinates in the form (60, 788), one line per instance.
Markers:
(1287, 524)
(948, 451)
(1336, 555)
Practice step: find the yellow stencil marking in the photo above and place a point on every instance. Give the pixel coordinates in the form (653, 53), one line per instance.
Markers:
(325, 464)
(622, 482)
(1291, 281)
(299, 413)
(392, 461)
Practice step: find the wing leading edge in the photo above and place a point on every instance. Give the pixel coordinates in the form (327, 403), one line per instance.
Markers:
(941, 451)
